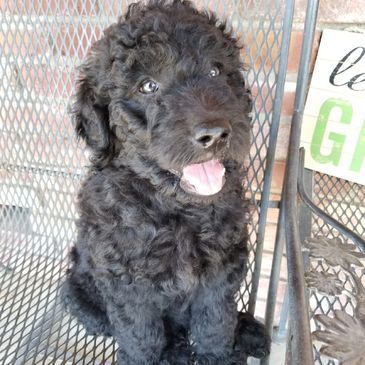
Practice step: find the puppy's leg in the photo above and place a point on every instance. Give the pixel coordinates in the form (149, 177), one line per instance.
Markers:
(138, 328)
(213, 324)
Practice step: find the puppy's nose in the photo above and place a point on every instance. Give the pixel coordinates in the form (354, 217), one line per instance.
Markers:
(214, 133)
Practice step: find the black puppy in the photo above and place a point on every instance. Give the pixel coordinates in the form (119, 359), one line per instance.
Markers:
(161, 247)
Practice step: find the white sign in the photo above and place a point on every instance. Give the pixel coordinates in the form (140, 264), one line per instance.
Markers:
(333, 132)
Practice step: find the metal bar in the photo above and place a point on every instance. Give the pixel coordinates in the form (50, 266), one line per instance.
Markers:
(274, 279)
(289, 346)
(305, 214)
(280, 237)
(280, 334)
(300, 343)
(274, 129)
(326, 217)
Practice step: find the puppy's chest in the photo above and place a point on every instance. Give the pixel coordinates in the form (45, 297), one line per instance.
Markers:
(190, 246)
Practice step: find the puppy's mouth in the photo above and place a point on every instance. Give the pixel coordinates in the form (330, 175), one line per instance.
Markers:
(206, 178)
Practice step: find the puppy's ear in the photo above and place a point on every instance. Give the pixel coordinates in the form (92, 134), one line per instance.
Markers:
(90, 109)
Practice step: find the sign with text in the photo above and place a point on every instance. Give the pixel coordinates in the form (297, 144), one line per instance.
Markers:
(333, 132)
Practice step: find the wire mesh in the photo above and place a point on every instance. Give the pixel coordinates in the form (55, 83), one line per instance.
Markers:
(344, 201)
(41, 165)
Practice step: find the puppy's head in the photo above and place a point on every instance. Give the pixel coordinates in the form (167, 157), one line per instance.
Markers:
(165, 86)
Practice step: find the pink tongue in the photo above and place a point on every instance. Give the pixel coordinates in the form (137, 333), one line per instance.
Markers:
(207, 178)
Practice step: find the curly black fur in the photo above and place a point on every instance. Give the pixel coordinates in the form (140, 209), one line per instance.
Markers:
(152, 262)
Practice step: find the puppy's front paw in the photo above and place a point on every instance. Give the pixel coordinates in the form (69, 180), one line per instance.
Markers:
(251, 337)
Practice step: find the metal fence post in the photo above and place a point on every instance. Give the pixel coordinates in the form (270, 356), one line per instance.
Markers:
(300, 343)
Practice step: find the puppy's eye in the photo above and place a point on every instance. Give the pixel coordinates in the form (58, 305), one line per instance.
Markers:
(148, 87)
(214, 72)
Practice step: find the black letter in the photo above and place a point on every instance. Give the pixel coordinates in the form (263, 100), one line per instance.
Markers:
(337, 70)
